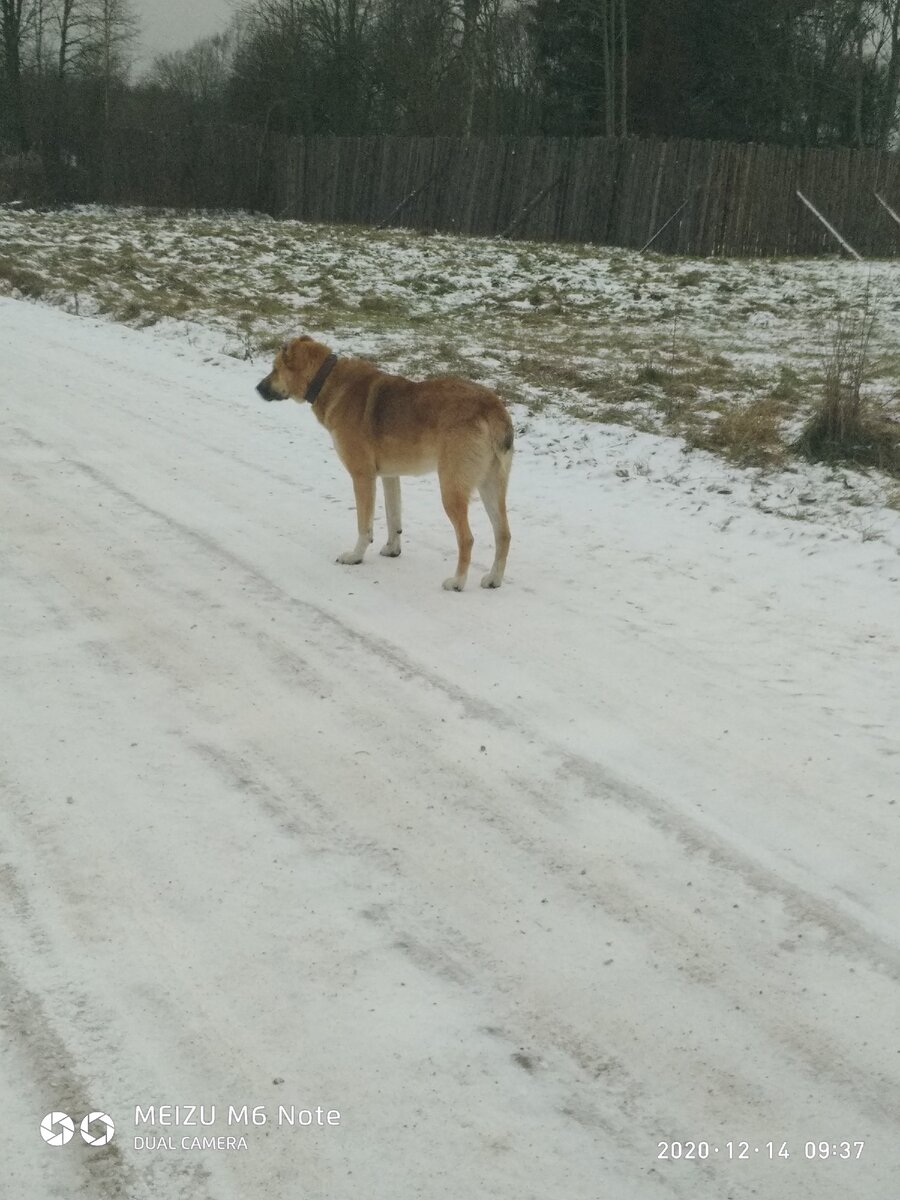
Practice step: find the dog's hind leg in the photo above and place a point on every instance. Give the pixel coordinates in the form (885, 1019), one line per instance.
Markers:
(364, 490)
(456, 506)
(493, 495)
(391, 485)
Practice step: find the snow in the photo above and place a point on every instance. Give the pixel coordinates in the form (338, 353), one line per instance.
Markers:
(522, 883)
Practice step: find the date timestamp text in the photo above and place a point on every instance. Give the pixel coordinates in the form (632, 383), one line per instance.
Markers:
(738, 1151)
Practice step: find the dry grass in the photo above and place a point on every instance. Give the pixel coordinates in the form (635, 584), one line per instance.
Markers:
(847, 426)
(749, 434)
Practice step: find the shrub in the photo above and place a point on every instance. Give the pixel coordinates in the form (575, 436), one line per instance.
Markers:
(845, 425)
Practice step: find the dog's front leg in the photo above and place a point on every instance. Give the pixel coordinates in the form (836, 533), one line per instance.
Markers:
(391, 485)
(364, 490)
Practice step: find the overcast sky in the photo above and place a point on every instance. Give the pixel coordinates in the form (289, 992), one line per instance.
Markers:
(175, 24)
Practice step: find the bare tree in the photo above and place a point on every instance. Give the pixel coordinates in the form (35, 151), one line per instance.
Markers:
(614, 49)
(413, 47)
(470, 10)
(112, 29)
(491, 35)
(71, 19)
(15, 19)
(107, 39)
(340, 31)
(197, 77)
(275, 15)
(38, 37)
(888, 14)
(623, 59)
(74, 20)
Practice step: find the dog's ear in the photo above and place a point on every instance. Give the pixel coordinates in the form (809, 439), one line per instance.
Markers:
(288, 348)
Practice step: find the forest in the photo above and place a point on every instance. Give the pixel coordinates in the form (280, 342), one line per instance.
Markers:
(806, 73)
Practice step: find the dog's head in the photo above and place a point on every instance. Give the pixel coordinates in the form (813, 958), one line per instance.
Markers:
(296, 363)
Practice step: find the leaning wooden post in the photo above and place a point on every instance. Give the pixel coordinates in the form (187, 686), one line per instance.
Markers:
(831, 229)
(664, 226)
(413, 194)
(884, 204)
(531, 205)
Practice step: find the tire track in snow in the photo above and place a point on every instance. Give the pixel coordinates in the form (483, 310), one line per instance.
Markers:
(693, 836)
(54, 1079)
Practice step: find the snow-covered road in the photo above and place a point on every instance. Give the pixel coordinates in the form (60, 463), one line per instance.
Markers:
(523, 884)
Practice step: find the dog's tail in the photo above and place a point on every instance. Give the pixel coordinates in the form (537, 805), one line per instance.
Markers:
(502, 440)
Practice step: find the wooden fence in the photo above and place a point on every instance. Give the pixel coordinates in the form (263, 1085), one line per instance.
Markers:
(730, 199)
(203, 166)
(737, 199)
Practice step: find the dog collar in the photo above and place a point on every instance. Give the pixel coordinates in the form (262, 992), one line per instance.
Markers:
(318, 380)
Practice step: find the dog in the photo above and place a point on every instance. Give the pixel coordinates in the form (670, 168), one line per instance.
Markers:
(385, 425)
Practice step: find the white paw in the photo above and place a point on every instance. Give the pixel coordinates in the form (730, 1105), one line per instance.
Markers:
(350, 559)
(390, 551)
(454, 584)
(490, 580)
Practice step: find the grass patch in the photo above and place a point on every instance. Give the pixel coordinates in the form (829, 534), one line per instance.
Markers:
(270, 343)
(681, 391)
(564, 375)
(23, 279)
(789, 389)
(128, 312)
(652, 376)
(607, 415)
(381, 305)
(690, 279)
(746, 434)
(447, 360)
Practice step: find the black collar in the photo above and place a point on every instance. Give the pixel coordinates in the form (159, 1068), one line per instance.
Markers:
(318, 380)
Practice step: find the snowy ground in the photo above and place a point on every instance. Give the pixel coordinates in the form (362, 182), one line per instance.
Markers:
(522, 883)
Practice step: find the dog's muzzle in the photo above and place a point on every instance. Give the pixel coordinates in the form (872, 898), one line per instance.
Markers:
(266, 390)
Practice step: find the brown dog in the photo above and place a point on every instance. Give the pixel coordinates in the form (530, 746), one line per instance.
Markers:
(390, 426)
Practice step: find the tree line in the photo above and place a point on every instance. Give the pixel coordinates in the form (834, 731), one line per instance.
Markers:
(796, 72)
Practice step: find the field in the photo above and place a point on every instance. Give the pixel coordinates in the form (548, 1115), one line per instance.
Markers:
(728, 356)
(527, 884)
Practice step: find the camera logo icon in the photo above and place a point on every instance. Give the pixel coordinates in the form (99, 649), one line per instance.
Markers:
(57, 1129)
(89, 1131)
(97, 1129)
